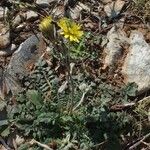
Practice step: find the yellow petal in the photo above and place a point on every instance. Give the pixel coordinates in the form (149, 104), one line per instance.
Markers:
(66, 36)
(71, 38)
(70, 29)
(61, 32)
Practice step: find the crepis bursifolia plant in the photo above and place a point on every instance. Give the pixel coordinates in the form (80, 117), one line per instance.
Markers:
(63, 33)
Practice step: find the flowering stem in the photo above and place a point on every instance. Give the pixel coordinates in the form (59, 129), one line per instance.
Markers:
(70, 80)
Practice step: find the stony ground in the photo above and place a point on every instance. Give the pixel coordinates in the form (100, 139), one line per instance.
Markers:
(118, 45)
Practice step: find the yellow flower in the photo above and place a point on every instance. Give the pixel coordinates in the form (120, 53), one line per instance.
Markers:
(46, 26)
(70, 29)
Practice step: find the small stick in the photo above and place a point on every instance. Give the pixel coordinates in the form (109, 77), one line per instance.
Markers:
(128, 105)
(121, 106)
(139, 142)
(33, 141)
(147, 144)
(80, 102)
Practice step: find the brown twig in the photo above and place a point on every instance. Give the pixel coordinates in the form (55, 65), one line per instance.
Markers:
(128, 105)
(121, 106)
(139, 142)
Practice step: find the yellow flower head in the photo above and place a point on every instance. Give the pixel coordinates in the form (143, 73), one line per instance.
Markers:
(70, 29)
(45, 25)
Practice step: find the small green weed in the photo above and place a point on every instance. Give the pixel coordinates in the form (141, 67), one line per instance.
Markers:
(91, 123)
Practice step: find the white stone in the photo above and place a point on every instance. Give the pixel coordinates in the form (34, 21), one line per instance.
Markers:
(3, 12)
(4, 36)
(107, 1)
(17, 20)
(76, 11)
(8, 51)
(113, 49)
(113, 9)
(20, 27)
(19, 140)
(2, 147)
(58, 12)
(31, 15)
(136, 67)
(44, 3)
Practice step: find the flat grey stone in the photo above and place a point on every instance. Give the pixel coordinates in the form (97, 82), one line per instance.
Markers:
(17, 65)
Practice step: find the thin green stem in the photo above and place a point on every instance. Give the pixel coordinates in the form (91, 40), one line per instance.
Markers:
(70, 79)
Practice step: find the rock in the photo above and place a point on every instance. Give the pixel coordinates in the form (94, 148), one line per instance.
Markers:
(3, 12)
(19, 140)
(76, 11)
(48, 49)
(20, 27)
(44, 3)
(17, 65)
(113, 48)
(8, 51)
(4, 36)
(17, 20)
(31, 15)
(113, 9)
(58, 12)
(136, 67)
(2, 147)
(107, 1)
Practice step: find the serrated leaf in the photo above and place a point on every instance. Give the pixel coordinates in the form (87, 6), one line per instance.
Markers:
(34, 97)
(131, 89)
(3, 122)
(2, 105)
(5, 132)
(23, 146)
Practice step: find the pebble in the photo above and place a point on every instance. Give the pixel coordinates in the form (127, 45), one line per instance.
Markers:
(20, 27)
(76, 11)
(58, 11)
(3, 12)
(113, 49)
(17, 20)
(4, 36)
(44, 3)
(31, 15)
(8, 51)
(107, 1)
(113, 9)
